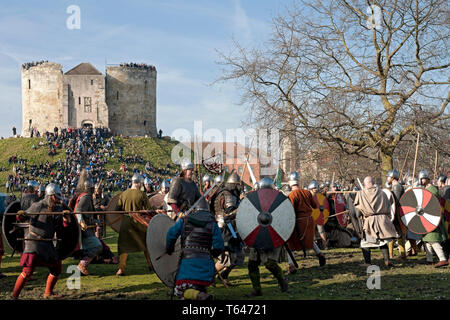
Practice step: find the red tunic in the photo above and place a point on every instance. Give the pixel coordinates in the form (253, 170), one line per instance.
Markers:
(303, 203)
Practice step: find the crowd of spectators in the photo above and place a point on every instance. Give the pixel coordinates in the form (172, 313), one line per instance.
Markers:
(85, 148)
(28, 65)
(138, 65)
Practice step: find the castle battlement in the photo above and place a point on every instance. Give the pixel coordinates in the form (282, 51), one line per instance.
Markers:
(124, 99)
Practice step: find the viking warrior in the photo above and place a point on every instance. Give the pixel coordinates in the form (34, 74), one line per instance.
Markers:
(378, 229)
(101, 201)
(225, 204)
(148, 187)
(30, 195)
(207, 180)
(41, 192)
(39, 248)
(397, 191)
(183, 191)
(201, 241)
(165, 187)
(313, 188)
(303, 236)
(90, 244)
(433, 239)
(444, 193)
(267, 257)
(132, 233)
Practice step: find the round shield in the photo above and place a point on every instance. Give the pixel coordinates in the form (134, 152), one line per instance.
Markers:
(392, 201)
(157, 201)
(164, 265)
(265, 219)
(12, 229)
(320, 215)
(420, 211)
(339, 206)
(68, 239)
(114, 220)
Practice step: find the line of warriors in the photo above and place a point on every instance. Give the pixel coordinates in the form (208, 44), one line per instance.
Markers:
(211, 246)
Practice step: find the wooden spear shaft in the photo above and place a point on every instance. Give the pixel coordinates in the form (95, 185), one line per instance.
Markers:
(87, 212)
(404, 162)
(415, 157)
(435, 165)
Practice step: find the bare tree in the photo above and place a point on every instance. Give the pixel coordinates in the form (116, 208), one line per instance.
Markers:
(360, 75)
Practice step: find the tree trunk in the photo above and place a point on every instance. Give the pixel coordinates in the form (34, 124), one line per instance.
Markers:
(386, 165)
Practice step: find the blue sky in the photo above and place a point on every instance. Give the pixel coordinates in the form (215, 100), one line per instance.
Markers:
(179, 37)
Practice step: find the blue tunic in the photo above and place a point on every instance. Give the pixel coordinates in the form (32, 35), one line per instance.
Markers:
(195, 269)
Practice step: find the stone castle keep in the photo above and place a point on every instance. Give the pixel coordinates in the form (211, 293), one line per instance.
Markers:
(123, 100)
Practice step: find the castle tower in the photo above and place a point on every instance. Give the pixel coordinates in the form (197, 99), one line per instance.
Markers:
(41, 97)
(84, 97)
(131, 99)
(289, 149)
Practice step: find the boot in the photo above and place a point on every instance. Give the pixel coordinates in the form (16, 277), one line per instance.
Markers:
(122, 263)
(51, 282)
(83, 266)
(322, 260)
(20, 283)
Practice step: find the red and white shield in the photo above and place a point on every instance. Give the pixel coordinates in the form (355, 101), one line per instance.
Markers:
(265, 219)
(339, 206)
(420, 211)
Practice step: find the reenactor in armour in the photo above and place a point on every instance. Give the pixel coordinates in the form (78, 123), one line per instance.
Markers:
(434, 239)
(267, 257)
(90, 244)
(132, 233)
(39, 250)
(30, 195)
(397, 191)
(224, 206)
(201, 241)
(183, 192)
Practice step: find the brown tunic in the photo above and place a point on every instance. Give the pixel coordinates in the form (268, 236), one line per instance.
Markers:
(303, 203)
(132, 234)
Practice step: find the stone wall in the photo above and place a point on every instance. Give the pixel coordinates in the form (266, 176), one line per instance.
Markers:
(42, 95)
(131, 100)
(81, 89)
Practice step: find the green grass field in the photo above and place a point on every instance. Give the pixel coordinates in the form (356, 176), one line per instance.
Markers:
(341, 278)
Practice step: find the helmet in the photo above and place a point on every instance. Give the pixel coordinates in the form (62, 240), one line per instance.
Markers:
(256, 185)
(88, 183)
(136, 178)
(202, 205)
(387, 185)
(32, 183)
(266, 183)
(186, 164)
(313, 185)
(207, 177)
(423, 174)
(394, 174)
(218, 179)
(53, 189)
(442, 178)
(147, 181)
(327, 183)
(234, 178)
(293, 178)
(165, 184)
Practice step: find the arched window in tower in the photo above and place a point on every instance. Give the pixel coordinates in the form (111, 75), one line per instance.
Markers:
(117, 97)
(79, 100)
(92, 82)
(145, 84)
(29, 84)
(145, 122)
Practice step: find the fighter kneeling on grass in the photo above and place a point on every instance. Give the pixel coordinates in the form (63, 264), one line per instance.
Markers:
(201, 240)
(39, 250)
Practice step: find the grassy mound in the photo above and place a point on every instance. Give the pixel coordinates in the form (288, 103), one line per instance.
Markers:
(157, 151)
